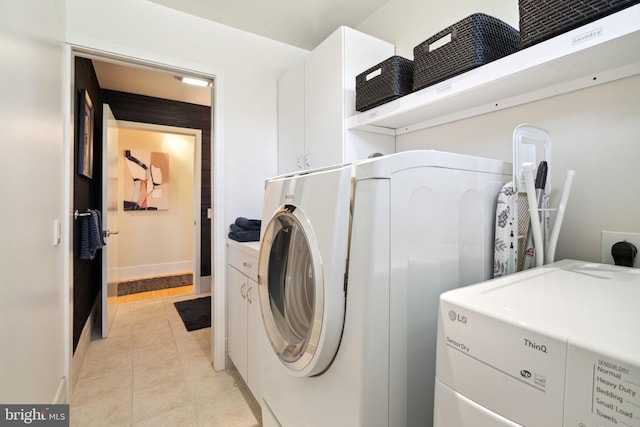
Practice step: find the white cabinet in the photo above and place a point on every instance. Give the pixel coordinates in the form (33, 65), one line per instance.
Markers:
(317, 96)
(244, 320)
(237, 333)
(292, 155)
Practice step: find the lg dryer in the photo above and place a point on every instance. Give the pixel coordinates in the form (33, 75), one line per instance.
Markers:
(553, 346)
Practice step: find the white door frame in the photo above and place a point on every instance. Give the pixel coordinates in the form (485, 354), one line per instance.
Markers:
(127, 55)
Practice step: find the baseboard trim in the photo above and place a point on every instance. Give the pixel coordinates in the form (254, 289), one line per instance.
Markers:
(80, 354)
(205, 285)
(153, 270)
(61, 394)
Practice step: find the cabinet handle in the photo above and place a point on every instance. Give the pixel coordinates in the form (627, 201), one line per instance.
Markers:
(249, 294)
(307, 159)
(243, 291)
(299, 161)
(246, 264)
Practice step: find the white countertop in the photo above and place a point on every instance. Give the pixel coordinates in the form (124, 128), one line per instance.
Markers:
(251, 248)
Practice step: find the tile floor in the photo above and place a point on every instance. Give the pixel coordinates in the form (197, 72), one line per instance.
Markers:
(152, 372)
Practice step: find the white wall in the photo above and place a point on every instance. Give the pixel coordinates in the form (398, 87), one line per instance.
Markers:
(154, 243)
(32, 174)
(247, 68)
(407, 23)
(594, 131)
(250, 64)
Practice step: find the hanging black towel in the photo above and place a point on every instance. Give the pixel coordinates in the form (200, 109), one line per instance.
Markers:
(91, 237)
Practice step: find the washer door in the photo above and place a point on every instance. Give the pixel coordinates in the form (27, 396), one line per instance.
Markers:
(291, 287)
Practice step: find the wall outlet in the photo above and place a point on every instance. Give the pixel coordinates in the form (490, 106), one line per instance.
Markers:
(609, 238)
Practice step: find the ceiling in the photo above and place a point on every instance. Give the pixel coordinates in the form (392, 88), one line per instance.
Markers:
(144, 81)
(301, 23)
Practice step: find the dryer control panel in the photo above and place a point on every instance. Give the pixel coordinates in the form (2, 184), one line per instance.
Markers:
(601, 390)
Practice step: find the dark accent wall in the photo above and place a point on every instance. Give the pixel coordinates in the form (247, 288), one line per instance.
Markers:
(146, 109)
(87, 274)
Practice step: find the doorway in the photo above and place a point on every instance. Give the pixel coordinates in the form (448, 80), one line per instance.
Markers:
(207, 185)
(148, 99)
(142, 107)
(157, 248)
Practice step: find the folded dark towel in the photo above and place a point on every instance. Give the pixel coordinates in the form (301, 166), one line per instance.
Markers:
(91, 236)
(248, 224)
(245, 235)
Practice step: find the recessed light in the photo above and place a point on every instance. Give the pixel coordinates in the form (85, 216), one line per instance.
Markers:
(194, 81)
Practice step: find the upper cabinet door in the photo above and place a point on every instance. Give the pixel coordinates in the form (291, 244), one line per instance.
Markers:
(324, 101)
(317, 96)
(291, 120)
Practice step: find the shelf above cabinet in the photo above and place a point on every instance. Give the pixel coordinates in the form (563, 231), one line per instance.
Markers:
(602, 51)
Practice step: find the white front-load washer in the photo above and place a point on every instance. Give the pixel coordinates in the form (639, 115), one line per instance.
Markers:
(352, 261)
(552, 346)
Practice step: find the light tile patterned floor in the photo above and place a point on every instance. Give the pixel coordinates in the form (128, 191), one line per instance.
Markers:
(152, 372)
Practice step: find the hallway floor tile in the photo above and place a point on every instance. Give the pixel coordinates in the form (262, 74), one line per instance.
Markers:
(152, 372)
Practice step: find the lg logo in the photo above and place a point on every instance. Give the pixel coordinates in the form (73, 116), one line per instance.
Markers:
(453, 316)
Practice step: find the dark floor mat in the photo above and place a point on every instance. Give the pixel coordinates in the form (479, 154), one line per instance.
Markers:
(154, 284)
(195, 313)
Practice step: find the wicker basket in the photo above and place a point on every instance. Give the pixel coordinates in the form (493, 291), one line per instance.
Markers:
(474, 41)
(389, 80)
(543, 19)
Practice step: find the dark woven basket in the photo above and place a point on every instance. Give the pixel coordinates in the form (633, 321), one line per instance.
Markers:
(475, 40)
(543, 19)
(389, 80)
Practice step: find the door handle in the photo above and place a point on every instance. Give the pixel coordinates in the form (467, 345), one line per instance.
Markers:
(108, 233)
